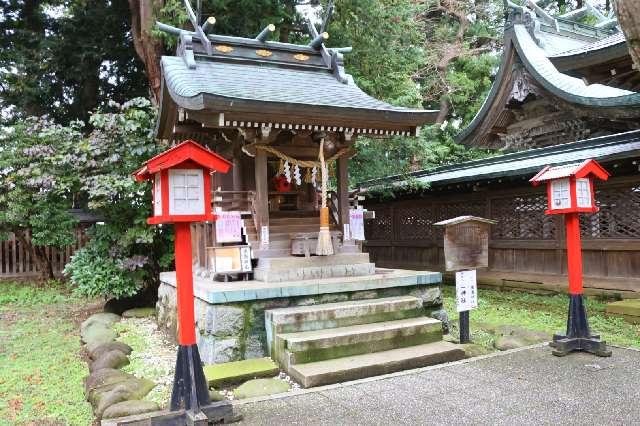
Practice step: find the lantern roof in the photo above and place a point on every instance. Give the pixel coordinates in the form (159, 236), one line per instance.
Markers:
(461, 219)
(185, 151)
(578, 170)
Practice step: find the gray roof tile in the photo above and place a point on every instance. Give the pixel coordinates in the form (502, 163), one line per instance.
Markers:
(266, 83)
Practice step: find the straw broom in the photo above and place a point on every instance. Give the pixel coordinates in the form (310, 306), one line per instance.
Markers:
(324, 247)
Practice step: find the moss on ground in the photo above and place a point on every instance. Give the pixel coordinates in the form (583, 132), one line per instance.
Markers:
(536, 312)
(41, 378)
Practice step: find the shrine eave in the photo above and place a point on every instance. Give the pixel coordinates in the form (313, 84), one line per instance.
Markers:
(255, 93)
(608, 49)
(523, 164)
(519, 44)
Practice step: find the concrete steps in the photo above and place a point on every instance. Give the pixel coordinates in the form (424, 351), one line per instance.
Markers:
(374, 364)
(334, 342)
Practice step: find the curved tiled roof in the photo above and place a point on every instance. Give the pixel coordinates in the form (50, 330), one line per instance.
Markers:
(605, 43)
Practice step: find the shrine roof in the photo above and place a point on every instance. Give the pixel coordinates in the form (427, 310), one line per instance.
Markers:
(526, 46)
(616, 39)
(238, 82)
(579, 170)
(218, 83)
(525, 163)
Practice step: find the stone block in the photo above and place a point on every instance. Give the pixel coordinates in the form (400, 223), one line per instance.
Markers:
(230, 373)
(261, 387)
(363, 295)
(430, 295)
(255, 346)
(629, 307)
(226, 350)
(223, 320)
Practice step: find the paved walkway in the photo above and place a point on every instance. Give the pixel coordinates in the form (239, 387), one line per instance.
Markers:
(520, 387)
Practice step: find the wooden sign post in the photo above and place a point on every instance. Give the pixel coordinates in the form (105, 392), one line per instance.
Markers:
(570, 192)
(182, 195)
(466, 248)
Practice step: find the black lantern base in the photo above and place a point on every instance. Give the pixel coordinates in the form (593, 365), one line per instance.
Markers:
(190, 390)
(578, 337)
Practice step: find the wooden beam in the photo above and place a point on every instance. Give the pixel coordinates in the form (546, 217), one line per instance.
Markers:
(342, 176)
(262, 188)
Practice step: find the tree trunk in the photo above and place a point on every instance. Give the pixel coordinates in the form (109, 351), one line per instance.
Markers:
(148, 47)
(38, 254)
(629, 18)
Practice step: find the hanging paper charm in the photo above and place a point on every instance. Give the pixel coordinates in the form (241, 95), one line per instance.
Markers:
(296, 175)
(314, 175)
(287, 171)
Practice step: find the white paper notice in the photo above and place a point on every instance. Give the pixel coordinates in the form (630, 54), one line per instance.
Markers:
(466, 290)
(228, 227)
(356, 223)
(346, 233)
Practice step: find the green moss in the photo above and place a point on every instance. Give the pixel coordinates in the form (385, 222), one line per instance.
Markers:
(333, 352)
(247, 318)
(536, 312)
(42, 367)
(238, 371)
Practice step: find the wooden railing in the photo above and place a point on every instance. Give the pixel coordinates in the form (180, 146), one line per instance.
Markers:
(16, 261)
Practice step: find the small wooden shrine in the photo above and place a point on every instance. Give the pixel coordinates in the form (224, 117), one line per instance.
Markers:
(271, 108)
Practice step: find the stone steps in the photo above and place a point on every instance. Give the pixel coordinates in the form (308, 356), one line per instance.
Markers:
(335, 342)
(374, 364)
(320, 345)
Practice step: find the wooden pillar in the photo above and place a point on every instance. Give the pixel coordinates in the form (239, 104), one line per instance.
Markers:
(262, 188)
(343, 190)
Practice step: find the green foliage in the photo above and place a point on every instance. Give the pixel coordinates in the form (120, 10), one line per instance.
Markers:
(243, 18)
(38, 180)
(387, 46)
(124, 254)
(41, 378)
(64, 59)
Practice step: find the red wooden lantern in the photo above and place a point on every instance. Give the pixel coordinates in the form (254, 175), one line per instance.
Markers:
(182, 195)
(570, 192)
(570, 187)
(181, 184)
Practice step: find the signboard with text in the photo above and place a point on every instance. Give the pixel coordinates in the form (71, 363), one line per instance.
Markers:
(466, 290)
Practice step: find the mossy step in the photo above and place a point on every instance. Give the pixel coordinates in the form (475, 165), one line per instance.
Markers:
(630, 307)
(229, 373)
(360, 339)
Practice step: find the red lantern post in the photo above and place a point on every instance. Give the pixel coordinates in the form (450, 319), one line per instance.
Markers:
(570, 192)
(182, 195)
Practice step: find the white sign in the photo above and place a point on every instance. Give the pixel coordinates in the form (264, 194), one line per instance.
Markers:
(228, 227)
(264, 236)
(466, 290)
(346, 233)
(356, 224)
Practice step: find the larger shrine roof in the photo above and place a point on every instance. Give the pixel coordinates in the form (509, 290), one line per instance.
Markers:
(536, 46)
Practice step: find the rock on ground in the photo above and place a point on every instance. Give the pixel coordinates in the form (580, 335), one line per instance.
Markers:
(104, 318)
(511, 337)
(112, 359)
(139, 313)
(108, 347)
(137, 388)
(261, 387)
(129, 408)
(472, 350)
(104, 377)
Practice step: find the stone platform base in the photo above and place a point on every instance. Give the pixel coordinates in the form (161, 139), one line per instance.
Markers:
(230, 316)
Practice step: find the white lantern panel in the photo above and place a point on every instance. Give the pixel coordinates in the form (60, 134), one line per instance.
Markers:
(583, 192)
(186, 192)
(560, 197)
(157, 195)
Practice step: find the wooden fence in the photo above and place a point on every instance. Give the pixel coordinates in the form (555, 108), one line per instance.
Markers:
(526, 245)
(16, 261)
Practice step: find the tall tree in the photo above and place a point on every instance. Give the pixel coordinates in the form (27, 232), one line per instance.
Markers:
(629, 18)
(66, 58)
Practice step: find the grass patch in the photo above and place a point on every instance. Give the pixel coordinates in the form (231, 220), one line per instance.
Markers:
(536, 312)
(41, 379)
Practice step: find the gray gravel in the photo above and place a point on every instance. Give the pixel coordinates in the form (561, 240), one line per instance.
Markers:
(516, 388)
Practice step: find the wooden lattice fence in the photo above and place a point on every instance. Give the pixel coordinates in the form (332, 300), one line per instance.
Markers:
(525, 240)
(16, 261)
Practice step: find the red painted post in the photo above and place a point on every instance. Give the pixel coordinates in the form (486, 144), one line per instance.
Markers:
(184, 278)
(574, 252)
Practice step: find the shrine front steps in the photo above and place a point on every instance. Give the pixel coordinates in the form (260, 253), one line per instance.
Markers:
(336, 342)
(292, 268)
